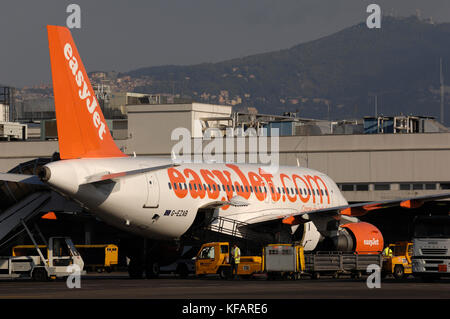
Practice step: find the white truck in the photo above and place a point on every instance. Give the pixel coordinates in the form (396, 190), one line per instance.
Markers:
(431, 247)
(62, 260)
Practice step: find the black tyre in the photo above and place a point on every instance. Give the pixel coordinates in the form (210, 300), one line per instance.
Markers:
(152, 270)
(357, 275)
(182, 271)
(135, 269)
(225, 273)
(399, 272)
(39, 274)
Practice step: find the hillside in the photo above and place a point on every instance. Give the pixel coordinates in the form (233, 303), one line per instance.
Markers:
(399, 62)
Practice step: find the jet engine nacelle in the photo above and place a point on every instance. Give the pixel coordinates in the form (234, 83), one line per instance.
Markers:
(362, 238)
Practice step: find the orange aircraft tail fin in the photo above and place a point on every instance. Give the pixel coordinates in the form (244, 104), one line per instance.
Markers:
(82, 129)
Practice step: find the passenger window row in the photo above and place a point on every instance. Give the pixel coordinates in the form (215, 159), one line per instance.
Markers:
(259, 189)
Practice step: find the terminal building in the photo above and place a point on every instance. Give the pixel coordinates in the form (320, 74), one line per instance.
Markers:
(370, 159)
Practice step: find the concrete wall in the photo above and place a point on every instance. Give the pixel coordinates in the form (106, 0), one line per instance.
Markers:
(153, 124)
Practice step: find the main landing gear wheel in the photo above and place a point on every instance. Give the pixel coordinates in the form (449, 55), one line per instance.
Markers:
(152, 270)
(182, 271)
(135, 269)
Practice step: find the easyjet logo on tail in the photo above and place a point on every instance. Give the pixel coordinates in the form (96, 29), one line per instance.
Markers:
(83, 93)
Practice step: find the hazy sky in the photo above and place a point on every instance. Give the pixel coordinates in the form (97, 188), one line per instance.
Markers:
(124, 35)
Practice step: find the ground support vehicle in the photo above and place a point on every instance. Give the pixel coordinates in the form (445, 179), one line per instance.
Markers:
(100, 257)
(399, 264)
(283, 261)
(213, 258)
(431, 252)
(62, 257)
(337, 263)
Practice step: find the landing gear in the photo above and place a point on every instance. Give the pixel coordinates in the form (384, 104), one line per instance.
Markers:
(135, 268)
(146, 257)
(151, 269)
(182, 271)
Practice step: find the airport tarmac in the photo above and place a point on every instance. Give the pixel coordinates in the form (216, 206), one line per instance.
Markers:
(119, 286)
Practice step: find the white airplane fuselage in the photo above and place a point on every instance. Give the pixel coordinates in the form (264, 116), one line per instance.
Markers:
(164, 203)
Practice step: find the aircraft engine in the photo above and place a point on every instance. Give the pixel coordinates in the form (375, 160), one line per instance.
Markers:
(362, 238)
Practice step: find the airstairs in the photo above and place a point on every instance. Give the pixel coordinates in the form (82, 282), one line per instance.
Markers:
(24, 210)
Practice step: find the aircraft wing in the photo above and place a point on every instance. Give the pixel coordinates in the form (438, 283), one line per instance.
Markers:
(353, 210)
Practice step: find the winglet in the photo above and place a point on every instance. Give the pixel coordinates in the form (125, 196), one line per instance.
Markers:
(82, 129)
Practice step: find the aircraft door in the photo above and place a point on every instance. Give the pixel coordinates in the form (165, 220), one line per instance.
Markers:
(153, 191)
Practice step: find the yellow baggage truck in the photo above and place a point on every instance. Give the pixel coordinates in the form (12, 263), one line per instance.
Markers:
(399, 264)
(101, 257)
(278, 260)
(283, 261)
(214, 258)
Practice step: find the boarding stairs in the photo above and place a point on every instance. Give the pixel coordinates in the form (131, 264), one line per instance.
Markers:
(14, 216)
